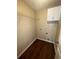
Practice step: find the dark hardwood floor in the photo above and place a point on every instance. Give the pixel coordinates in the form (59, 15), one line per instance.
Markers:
(39, 50)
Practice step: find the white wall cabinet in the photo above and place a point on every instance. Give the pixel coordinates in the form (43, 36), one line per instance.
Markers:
(54, 14)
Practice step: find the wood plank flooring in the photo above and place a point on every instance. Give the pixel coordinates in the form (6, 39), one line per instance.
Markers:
(39, 50)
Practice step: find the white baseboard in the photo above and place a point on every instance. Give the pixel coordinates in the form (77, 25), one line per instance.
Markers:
(26, 48)
(31, 44)
(46, 40)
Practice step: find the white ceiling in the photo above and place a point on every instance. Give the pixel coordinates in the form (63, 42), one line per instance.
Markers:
(40, 4)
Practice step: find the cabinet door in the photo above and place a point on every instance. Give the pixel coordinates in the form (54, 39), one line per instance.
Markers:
(54, 13)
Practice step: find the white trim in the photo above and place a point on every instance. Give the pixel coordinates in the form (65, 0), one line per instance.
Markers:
(46, 40)
(26, 48)
(31, 44)
(58, 54)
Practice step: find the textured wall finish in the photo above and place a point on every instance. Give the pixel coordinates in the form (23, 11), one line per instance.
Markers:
(45, 30)
(25, 26)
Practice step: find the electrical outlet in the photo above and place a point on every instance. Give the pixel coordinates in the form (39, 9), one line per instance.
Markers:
(46, 33)
(48, 39)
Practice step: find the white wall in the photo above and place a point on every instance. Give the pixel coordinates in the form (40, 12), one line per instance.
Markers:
(24, 9)
(43, 27)
(31, 25)
(25, 26)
